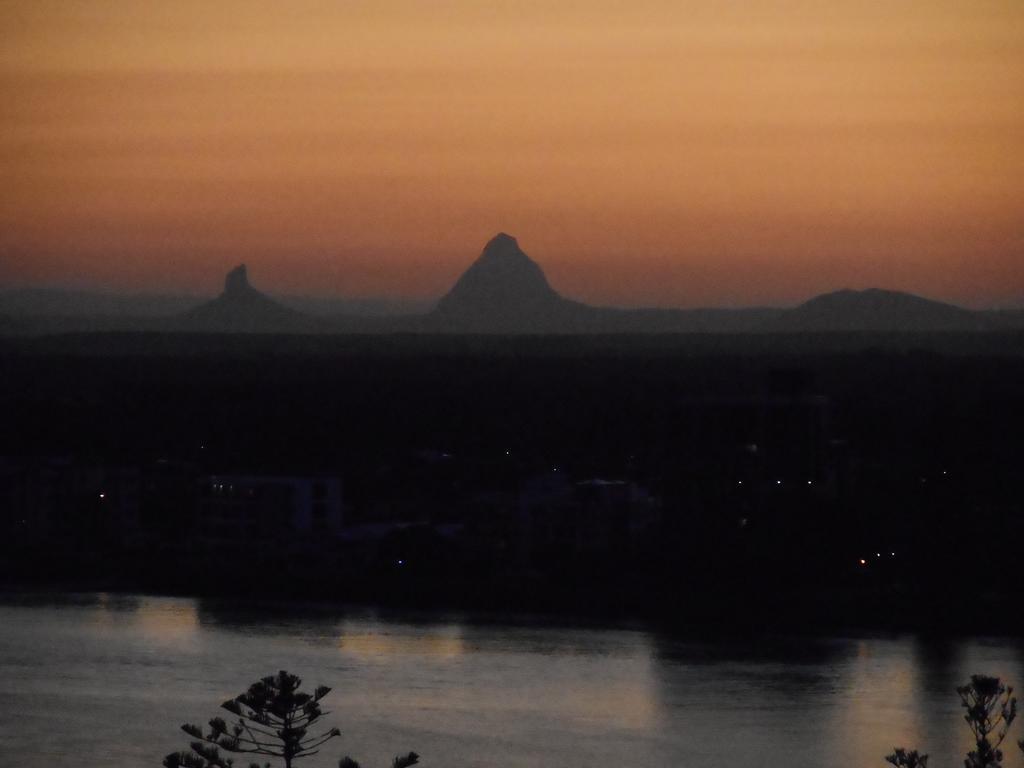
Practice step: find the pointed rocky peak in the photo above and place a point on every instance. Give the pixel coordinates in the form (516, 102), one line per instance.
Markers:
(503, 273)
(237, 281)
(242, 308)
(503, 247)
(504, 288)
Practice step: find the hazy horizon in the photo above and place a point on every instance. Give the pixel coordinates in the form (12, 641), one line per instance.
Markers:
(404, 303)
(400, 304)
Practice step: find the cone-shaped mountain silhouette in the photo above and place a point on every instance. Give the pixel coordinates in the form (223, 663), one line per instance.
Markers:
(241, 308)
(505, 290)
(878, 310)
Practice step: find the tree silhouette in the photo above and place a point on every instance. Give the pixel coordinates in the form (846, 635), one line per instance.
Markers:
(901, 758)
(274, 719)
(402, 761)
(991, 710)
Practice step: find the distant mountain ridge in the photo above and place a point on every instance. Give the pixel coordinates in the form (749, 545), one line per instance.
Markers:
(77, 303)
(503, 291)
(878, 310)
(65, 302)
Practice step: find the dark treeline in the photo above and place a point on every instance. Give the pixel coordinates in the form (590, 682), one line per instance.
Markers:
(678, 476)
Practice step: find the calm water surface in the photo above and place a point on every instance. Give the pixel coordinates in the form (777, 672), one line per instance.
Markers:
(106, 680)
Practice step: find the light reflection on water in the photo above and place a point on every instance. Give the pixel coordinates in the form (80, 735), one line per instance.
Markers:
(107, 679)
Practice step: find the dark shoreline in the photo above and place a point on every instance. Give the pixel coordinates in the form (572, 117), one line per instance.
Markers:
(808, 614)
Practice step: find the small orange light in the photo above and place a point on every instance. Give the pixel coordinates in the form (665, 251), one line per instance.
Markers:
(863, 561)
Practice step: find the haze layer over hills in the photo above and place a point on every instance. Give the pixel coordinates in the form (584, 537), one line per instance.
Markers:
(503, 291)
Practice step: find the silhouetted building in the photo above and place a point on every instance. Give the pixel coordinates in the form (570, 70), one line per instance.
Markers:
(264, 508)
(552, 517)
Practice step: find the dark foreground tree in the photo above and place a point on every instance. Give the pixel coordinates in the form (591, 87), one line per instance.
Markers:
(274, 719)
(990, 711)
(901, 758)
(402, 761)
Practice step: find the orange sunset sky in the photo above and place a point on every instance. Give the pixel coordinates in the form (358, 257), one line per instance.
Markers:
(649, 152)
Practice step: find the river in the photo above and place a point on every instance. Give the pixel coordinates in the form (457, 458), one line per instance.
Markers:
(100, 679)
